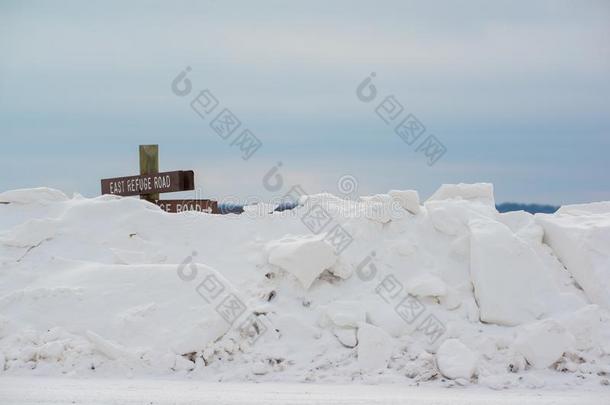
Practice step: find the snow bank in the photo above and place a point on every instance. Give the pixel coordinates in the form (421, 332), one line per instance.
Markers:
(380, 289)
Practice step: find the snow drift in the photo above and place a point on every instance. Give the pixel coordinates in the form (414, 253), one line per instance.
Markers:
(381, 289)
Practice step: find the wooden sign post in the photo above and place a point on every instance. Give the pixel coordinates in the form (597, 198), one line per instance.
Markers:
(149, 164)
(150, 183)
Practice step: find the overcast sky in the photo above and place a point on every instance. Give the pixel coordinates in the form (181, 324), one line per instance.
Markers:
(518, 93)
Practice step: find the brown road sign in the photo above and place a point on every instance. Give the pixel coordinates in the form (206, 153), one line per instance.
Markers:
(176, 206)
(165, 182)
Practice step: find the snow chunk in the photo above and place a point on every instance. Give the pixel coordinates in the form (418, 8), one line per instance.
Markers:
(347, 336)
(259, 368)
(379, 208)
(451, 217)
(482, 192)
(377, 314)
(460, 247)
(543, 343)
(343, 314)
(182, 364)
(456, 360)
(499, 381)
(512, 285)
(585, 325)
(427, 285)
(408, 199)
(51, 351)
(374, 348)
(582, 242)
(602, 207)
(404, 247)
(304, 257)
(341, 269)
(523, 225)
(198, 334)
(110, 349)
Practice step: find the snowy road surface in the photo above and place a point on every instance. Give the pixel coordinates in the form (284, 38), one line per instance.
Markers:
(39, 390)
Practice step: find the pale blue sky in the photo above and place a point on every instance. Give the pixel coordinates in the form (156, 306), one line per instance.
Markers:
(519, 93)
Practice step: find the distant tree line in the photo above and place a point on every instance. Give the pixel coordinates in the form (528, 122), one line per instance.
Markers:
(504, 207)
(531, 208)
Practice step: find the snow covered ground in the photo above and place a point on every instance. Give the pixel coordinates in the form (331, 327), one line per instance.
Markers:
(381, 290)
(37, 391)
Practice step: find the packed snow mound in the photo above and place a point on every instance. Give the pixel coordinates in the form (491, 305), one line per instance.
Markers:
(30, 233)
(379, 289)
(32, 195)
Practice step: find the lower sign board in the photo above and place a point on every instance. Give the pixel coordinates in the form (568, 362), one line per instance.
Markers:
(166, 182)
(176, 206)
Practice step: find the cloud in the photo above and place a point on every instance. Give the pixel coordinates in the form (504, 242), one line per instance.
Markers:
(507, 86)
